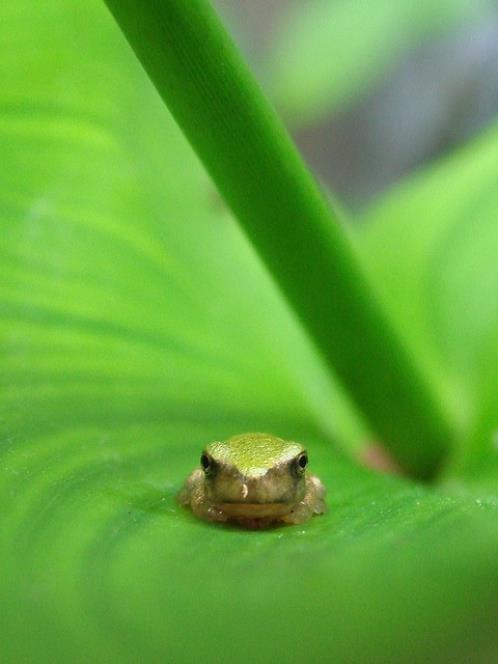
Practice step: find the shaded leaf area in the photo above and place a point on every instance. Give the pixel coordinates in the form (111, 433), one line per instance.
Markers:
(330, 53)
(432, 246)
(136, 324)
(98, 562)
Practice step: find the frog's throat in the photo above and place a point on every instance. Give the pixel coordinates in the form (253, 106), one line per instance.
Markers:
(255, 510)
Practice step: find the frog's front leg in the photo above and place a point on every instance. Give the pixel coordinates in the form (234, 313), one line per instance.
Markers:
(312, 503)
(194, 495)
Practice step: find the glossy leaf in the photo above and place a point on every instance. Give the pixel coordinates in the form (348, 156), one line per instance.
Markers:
(136, 323)
(123, 277)
(100, 563)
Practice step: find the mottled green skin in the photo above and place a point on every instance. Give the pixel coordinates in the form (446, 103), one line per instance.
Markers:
(253, 454)
(254, 480)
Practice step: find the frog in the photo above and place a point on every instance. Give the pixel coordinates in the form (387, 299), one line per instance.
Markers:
(253, 480)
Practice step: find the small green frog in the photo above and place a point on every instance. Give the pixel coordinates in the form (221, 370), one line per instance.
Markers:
(254, 480)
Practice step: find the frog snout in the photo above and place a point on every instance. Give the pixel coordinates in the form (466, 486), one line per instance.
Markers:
(242, 490)
(261, 490)
(265, 488)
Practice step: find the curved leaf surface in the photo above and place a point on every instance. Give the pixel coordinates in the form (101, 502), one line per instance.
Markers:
(137, 324)
(124, 281)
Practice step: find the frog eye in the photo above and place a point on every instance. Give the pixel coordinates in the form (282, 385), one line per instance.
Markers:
(206, 462)
(299, 463)
(302, 461)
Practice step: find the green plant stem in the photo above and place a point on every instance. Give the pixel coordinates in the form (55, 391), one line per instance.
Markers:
(243, 145)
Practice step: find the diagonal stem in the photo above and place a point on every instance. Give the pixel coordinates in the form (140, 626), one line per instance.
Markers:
(256, 167)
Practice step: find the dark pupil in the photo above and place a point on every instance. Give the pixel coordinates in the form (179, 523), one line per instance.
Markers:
(205, 461)
(303, 461)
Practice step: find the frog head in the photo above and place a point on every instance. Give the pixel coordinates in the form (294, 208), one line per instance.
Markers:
(254, 473)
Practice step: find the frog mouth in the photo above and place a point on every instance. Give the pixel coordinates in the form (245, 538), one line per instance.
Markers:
(255, 510)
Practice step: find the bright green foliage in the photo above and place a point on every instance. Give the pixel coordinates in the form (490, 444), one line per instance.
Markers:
(123, 278)
(98, 563)
(137, 324)
(329, 52)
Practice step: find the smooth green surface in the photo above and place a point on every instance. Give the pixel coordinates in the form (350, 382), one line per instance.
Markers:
(217, 103)
(328, 53)
(99, 563)
(136, 325)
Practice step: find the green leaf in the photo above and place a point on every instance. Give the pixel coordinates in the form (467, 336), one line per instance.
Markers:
(432, 246)
(328, 53)
(123, 277)
(136, 325)
(98, 562)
